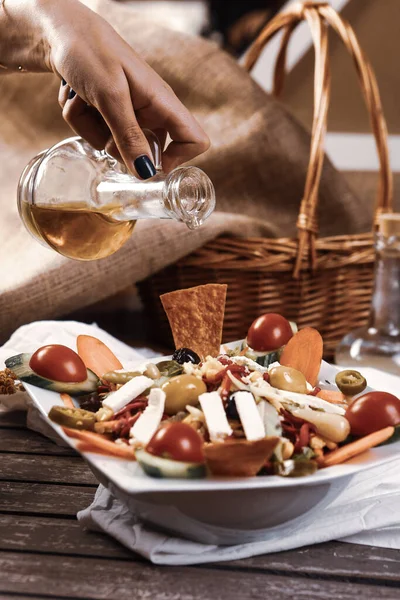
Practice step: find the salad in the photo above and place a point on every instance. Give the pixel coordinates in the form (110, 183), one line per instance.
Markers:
(251, 408)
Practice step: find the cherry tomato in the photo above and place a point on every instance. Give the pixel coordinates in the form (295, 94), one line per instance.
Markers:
(58, 363)
(177, 441)
(373, 411)
(269, 332)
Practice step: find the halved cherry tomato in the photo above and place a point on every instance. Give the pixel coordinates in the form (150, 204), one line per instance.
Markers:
(269, 332)
(58, 363)
(177, 441)
(373, 411)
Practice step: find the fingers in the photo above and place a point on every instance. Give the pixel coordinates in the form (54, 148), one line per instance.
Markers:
(188, 140)
(83, 119)
(118, 112)
(167, 113)
(123, 109)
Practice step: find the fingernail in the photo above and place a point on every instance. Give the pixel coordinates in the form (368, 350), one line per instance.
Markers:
(71, 94)
(63, 81)
(144, 167)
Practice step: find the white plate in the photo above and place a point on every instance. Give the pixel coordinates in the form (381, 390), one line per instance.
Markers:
(238, 509)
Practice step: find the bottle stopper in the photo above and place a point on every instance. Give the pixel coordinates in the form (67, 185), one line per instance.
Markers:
(389, 224)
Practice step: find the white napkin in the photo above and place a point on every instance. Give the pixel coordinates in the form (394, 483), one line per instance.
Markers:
(365, 511)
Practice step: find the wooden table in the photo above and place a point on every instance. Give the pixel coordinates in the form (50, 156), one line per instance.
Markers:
(45, 555)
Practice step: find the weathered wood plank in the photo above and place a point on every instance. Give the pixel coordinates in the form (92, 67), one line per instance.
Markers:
(333, 559)
(13, 419)
(56, 536)
(101, 579)
(59, 469)
(44, 499)
(29, 442)
(23, 597)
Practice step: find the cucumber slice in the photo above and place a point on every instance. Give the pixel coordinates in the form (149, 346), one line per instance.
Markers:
(269, 358)
(265, 359)
(19, 365)
(155, 466)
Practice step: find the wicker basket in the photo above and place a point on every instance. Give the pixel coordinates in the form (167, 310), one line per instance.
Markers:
(321, 282)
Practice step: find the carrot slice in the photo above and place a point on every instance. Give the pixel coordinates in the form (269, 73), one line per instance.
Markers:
(304, 353)
(332, 396)
(67, 400)
(354, 448)
(98, 443)
(96, 355)
(119, 450)
(82, 434)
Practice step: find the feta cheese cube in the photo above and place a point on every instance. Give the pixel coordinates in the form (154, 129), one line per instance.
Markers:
(249, 415)
(148, 423)
(128, 392)
(214, 412)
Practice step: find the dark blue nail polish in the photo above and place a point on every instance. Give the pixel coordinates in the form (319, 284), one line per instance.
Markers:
(71, 94)
(63, 81)
(144, 167)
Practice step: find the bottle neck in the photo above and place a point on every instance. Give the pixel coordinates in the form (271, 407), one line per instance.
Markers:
(129, 199)
(186, 195)
(385, 313)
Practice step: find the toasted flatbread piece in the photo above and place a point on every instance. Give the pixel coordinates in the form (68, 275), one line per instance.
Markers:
(239, 458)
(196, 317)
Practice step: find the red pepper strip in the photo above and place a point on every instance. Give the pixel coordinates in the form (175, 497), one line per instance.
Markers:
(126, 429)
(224, 360)
(291, 418)
(288, 428)
(135, 404)
(266, 377)
(298, 430)
(225, 387)
(315, 391)
(303, 437)
(234, 369)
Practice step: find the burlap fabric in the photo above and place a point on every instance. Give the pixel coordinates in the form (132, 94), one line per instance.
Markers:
(257, 162)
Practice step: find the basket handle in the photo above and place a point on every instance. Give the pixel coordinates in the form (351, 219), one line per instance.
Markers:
(318, 16)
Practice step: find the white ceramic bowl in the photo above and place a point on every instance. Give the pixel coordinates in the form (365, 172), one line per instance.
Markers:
(219, 510)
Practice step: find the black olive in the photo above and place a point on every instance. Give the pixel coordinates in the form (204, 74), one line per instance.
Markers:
(231, 410)
(90, 402)
(185, 355)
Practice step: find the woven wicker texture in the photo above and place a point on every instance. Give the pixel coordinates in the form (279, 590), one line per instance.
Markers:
(321, 282)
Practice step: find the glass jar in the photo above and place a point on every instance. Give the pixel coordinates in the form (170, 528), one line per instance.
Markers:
(378, 344)
(84, 204)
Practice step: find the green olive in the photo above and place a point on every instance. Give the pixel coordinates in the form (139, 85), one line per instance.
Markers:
(289, 379)
(75, 418)
(181, 391)
(350, 382)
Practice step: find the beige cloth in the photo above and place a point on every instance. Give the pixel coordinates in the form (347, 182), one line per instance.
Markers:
(258, 163)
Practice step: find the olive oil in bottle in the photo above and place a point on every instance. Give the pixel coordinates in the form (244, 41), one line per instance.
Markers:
(77, 232)
(83, 204)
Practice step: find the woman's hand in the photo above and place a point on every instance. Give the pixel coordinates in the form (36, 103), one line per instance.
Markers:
(108, 93)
